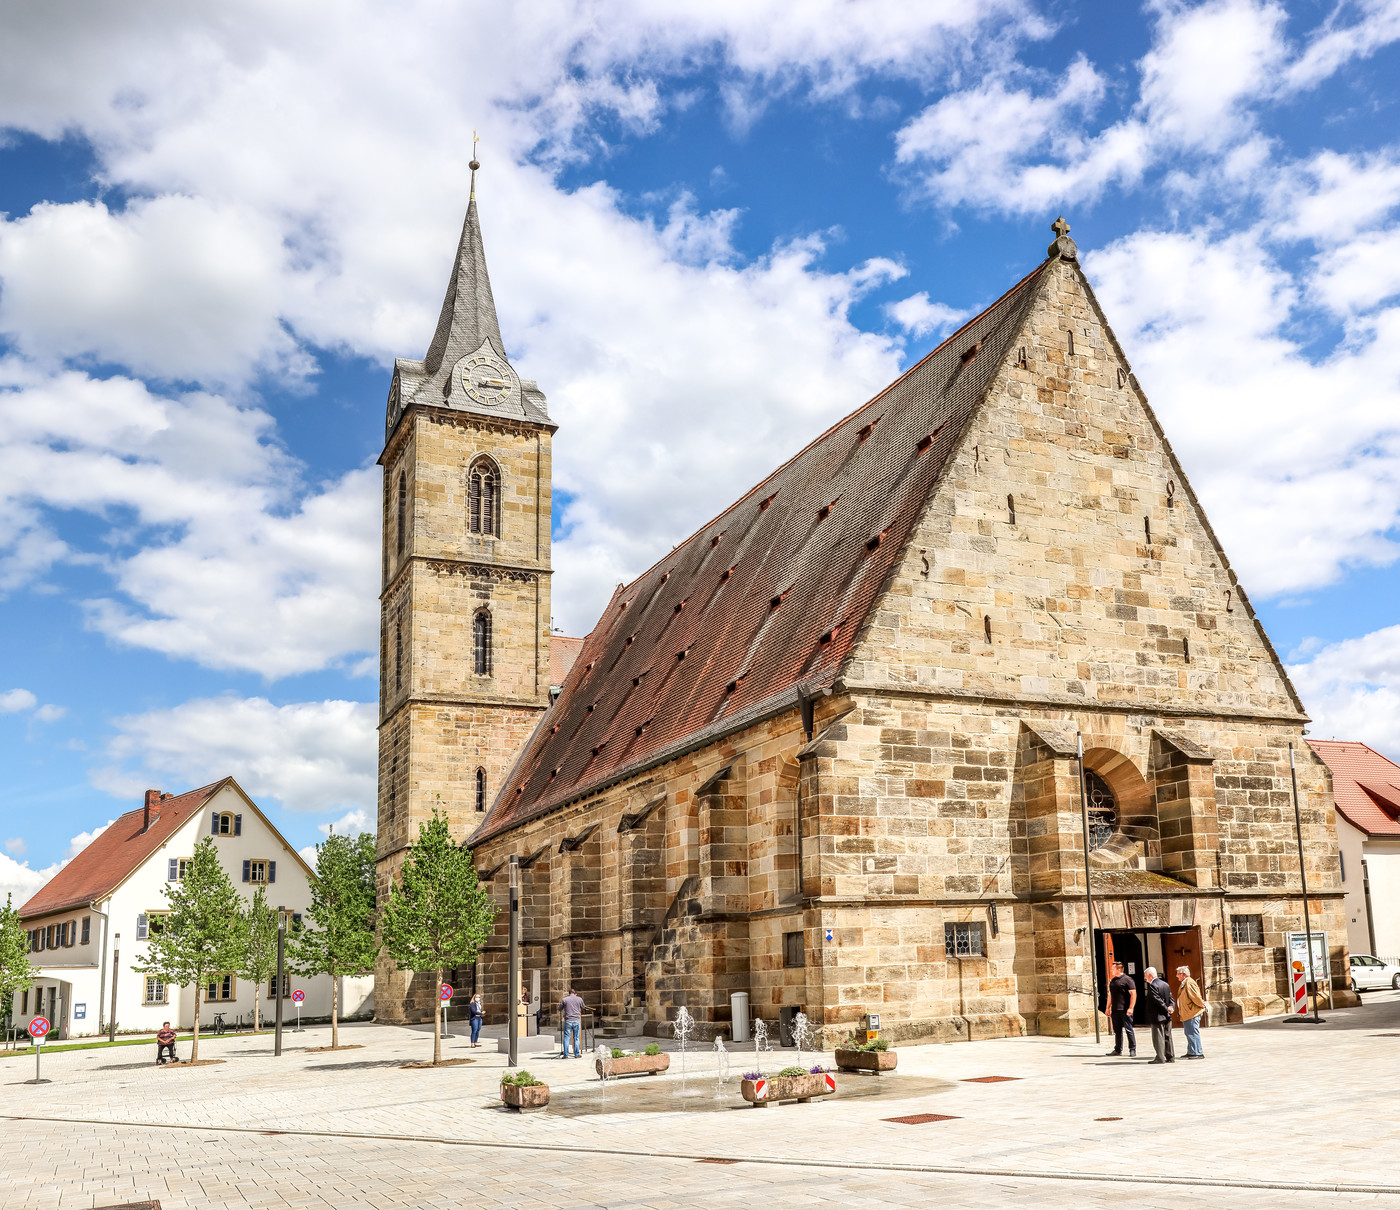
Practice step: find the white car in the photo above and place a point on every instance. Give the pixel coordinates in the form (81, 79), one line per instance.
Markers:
(1369, 973)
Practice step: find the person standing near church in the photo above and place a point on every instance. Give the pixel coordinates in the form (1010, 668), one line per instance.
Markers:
(1122, 999)
(1192, 1007)
(571, 1008)
(1159, 1012)
(474, 1012)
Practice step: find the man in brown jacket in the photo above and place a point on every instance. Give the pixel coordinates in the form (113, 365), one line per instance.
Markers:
(1192, 1007)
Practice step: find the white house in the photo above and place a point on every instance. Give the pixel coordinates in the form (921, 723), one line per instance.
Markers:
(1366, 789)
(91, 922)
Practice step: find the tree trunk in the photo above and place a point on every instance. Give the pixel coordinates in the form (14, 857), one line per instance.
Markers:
(194, 1046)
(335, 1004)
(257, 1020)
(437, 1016)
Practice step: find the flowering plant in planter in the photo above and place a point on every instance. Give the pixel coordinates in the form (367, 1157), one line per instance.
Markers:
(795, 1083)
(874, 1055)
(649, 1062)
(524, 1093)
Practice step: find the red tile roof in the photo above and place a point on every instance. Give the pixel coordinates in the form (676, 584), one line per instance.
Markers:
(563, 654)
(1365, 785)
(762, 605)
(117, 853)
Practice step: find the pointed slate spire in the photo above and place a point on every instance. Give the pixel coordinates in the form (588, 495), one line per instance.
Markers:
(468, 311)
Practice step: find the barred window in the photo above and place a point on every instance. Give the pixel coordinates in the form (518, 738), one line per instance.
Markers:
(481, 789)
(963, 939)
(1247, 930)
(484, 493)
(1103, 810)
(481, 642)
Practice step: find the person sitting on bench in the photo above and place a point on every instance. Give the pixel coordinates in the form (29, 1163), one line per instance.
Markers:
(165, 1040)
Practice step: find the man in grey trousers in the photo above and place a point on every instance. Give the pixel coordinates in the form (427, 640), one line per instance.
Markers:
(1159, 1012)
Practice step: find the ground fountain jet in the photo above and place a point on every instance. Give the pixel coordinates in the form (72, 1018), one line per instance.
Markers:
(721, 1067)
(604, 1056)
(760, 1043)
(684, 1027)
(801, 1030)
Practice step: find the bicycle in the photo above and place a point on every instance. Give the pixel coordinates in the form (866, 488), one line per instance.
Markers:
(219, 1025)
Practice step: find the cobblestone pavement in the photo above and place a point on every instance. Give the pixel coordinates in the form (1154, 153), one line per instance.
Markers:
(1274, 1103)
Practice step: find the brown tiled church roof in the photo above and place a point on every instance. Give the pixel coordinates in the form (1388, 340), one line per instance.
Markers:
(760, 607)
(117, 853)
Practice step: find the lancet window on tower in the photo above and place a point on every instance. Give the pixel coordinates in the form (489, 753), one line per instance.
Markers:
(398, 656)
(484, 490)
(481, 789)
(481, 642)
(401, 530)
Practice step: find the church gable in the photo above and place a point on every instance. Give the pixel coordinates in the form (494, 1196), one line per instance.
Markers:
(1062, 557)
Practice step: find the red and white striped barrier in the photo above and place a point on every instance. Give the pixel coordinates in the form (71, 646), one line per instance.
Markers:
(830, 1082)
(760, 1088)
(1300, 990)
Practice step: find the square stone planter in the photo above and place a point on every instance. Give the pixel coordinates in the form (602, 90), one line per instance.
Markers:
(762, 1093)
(526, 1100)
(866, 1060)
(634, 1065)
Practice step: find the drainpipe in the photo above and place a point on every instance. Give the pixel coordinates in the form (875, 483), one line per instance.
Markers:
(102, 965)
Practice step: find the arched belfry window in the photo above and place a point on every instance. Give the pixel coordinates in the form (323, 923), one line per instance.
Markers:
(398, 656)
(484, 492)
(1103, 810)
(481, 642)
(401, 532)
(481, 789)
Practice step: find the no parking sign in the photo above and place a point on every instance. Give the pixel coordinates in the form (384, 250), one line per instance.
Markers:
(39, 1029)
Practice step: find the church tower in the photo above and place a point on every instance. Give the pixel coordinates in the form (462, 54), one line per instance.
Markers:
(465, 609)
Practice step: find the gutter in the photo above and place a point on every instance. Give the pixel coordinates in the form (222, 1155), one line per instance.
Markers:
(106, 933)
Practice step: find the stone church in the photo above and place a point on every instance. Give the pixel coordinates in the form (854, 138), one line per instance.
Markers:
(825, 750)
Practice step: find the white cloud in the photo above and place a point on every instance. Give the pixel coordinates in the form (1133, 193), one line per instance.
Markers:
(14, 700)
(1207, 324)
(50, 713)
(19, 881)
(309, 756)
(1352, 690)
(81, 841)
(16, 847)
(918, 316)
(352, 823)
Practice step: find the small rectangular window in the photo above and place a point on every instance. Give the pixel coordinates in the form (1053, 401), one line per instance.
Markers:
(221, 987)
(794, 949)
(155, 990)
(1247, 930)
(963, 939)
(286, 985)
(87, 929)
(1342, 861)
(256, 871)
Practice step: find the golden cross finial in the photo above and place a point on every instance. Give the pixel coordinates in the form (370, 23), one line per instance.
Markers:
(474, 165)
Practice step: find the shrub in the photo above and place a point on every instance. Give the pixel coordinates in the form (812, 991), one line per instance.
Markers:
(878, 1044)
(522, 1079)
(792, 1071)
(653, 1049)
(618, 1053)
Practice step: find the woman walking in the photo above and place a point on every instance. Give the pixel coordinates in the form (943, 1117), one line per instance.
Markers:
(475, 1014)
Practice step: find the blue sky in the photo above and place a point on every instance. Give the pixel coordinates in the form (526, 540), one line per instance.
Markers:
(219, 228)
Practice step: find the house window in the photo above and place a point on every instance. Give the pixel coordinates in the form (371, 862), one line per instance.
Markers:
(221, 987)
(177, 868)
(286, 986)
(481, 642)
(34, 941)
(963, 940)
(24, 1003)
(257, 870)
(794, 949)
(1247, 930)
(155, 990)
(401, 529)
(148, 924)
(484, 493)
(481, 789)
(1103, 810)
(87, 929)
(225, 823)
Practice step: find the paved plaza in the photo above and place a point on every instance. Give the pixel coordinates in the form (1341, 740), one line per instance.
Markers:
(1279, 1114)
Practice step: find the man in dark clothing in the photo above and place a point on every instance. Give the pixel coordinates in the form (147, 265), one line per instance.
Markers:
(1159, 1011)
(1122, 999)
(165, 1040)
(571, 1009)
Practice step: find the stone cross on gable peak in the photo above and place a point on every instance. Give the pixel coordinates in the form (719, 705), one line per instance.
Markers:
(1063, 245)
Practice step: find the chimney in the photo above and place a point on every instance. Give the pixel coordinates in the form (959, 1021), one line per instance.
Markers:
(153, 798)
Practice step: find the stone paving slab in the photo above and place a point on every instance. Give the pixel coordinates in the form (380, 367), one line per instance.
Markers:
(1286, 1104)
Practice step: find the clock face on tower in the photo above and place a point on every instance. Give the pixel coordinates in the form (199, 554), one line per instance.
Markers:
(486, 379)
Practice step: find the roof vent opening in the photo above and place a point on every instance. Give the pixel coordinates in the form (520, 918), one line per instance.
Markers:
(680, 606)
(829, 635)
(825, 511)
(600, 747)
(869, 428)
(630, 637)
(970, 352)
(778, 600)
(928, 441)
(727, 574)
(873, 542)
(763, 507)
(715, 540)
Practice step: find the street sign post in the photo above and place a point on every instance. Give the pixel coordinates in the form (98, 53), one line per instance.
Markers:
(38, 1030)
(297, 997)
(445, 992)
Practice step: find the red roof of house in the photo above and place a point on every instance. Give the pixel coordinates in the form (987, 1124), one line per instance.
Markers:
(1365, 785)
(114, 855)
(563, 654)
(762, 605)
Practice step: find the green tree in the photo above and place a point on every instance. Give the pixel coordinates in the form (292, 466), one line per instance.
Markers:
(202, 935)
(16, 971)
(437, 915)
(338, 935)
(258, 958)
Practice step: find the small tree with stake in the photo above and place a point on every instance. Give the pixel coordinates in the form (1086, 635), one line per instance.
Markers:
(202, 935)
(437, 915)
(16, 971)
(258, 963)
(339, 938)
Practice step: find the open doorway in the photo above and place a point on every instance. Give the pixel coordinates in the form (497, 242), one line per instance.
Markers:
(1137, 949)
